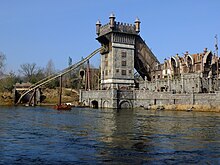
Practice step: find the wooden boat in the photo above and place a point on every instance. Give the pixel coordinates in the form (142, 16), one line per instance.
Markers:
(62, 107)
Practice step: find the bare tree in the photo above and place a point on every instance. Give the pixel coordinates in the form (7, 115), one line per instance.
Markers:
(2, 62)
(50, 68)
(31, 72)
(28, 70)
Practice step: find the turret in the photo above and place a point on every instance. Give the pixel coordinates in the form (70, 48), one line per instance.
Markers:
(98, 25)
(137, 25)
(112, 20)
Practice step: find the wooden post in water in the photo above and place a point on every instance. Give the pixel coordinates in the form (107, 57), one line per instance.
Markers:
(34, 99)
(88, 76)
(60, 91)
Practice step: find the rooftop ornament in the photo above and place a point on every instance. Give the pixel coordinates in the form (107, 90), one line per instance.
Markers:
(112, 20)
(98, 25)
(137, 25)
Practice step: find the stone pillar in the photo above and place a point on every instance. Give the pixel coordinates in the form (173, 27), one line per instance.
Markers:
(80, 95)
(169, 84)
(115, 98)
(199, 84)
(210, 84)
(145, 82)
(193, 97)
(156, 85)
(182, 83)
(101, 104)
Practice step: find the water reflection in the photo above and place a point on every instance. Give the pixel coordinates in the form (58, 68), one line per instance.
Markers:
(42, 135)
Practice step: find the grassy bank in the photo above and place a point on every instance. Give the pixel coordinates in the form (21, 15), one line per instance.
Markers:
(6, 98)
(50, 97)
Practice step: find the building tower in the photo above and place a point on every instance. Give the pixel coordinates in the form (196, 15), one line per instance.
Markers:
(117, 56)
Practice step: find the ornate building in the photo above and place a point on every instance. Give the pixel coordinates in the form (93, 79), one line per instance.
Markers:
(179, 80)
(204, 63)
(188, 73)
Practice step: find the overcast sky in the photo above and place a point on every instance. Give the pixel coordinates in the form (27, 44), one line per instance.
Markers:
(35, 31)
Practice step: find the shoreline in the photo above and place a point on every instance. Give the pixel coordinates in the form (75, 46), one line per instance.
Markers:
(173, 107)
(186, 108)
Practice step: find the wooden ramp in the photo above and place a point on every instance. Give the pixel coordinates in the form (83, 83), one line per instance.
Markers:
(57, 75)
(145, 60)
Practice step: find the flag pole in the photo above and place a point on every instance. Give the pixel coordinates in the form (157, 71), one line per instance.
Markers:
(216, 50)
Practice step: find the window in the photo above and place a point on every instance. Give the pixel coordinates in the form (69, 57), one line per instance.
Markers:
(198, 67)
(123, 72)
(123, 63)
(106, 63)
(129, 71)
(106, 55)
(117, 70)
(106, 72)
(123, 54)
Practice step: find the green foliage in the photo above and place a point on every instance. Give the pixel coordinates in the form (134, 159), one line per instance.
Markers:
(7, 83)
(53, 84)
(67, 93)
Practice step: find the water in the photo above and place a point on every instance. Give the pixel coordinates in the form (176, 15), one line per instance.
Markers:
(41, 135)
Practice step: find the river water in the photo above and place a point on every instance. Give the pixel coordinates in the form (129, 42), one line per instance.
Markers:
(41, 135)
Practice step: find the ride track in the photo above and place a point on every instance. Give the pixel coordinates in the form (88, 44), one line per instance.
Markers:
(59, 74)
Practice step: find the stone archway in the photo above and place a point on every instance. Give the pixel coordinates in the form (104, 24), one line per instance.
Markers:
(174, 64)
(95, 104)
(190, 63)
(84, 103)
(125, 104)
(105, 104)
(207, 62)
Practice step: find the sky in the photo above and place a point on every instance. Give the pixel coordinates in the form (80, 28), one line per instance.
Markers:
(36, 31)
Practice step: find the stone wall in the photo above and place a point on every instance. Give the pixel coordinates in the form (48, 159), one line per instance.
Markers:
(143, 98)
(187, 83)
(103, 97)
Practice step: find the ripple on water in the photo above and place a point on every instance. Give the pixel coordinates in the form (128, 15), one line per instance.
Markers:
(41, 135)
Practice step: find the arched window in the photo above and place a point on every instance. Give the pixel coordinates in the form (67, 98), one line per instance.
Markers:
(190, 64)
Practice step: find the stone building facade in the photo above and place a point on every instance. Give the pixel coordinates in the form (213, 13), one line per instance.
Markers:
(190, 73)
(117, 58)
(179, 80)
(204, 63)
